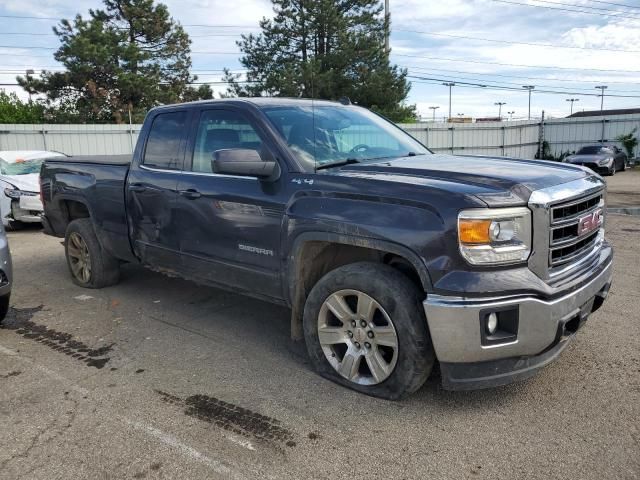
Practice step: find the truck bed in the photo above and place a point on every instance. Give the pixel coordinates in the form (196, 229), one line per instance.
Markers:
(93, 184)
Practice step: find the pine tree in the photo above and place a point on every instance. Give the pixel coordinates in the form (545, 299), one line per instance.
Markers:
(324, 49)
(129, 56)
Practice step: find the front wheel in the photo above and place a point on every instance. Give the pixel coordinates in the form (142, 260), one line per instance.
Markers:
(90, 266)
(365, 328)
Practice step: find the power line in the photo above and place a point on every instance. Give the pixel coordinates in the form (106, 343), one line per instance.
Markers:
(433, 80)
(456, 78)
(615, 4)
(573, 5)
(552, 67)
(29, 17)
(573, 80)
(26, 33)
(437, 34)
(564, 9)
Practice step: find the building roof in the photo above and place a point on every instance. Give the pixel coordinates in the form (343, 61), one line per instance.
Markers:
(598, 113)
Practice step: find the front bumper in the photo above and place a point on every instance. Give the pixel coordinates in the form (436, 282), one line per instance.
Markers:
(27, 209)
(543, 328)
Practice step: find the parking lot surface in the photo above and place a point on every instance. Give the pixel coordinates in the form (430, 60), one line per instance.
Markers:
(623, 189)
(160, 378)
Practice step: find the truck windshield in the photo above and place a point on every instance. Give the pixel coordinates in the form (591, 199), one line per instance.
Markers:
(592, 150)
(320, 136)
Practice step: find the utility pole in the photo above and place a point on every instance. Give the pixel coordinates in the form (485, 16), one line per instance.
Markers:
(434, 113)
(387, 19)
(500, 108)
(529, 87)
(573, 100)
(29, 72)
(511, 115)
(449, 84)
(602, 88)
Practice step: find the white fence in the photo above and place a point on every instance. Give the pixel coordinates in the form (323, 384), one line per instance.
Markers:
(70, 139)
(510, 139)
(522, 138)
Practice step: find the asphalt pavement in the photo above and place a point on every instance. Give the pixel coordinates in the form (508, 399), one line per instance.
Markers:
(160, 378)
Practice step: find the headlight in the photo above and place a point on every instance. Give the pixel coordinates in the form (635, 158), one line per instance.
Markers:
(604, 161)
(495, 236)
(16, 193)
(12, 192)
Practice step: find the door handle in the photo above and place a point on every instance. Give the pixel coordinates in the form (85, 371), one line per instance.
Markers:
(190, 193)
(137, 187)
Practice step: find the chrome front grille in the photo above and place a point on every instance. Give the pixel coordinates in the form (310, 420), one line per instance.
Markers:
(566, 242)
(562, 245)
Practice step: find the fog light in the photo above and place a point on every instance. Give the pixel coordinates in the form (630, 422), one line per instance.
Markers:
(492, 323)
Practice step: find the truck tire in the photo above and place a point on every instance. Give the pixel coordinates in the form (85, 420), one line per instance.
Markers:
(365, 328)
(4, 306)
(90, 266)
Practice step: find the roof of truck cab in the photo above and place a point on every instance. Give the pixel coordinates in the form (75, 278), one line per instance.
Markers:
(257, 101)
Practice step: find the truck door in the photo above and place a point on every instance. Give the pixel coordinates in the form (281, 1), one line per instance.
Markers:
(151, 192)
(229, 225)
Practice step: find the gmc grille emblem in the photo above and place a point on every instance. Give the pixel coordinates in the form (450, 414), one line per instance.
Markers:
(590, 222)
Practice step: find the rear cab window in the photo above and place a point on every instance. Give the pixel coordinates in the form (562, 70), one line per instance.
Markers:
(164, 143)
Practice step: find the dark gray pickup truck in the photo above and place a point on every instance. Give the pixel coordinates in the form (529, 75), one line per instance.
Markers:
(390, 257)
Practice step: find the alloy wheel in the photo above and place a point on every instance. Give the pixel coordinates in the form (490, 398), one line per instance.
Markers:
(357, 337)
(79, 258)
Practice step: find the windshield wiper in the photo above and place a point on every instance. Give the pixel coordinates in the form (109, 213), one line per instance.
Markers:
(341, 163)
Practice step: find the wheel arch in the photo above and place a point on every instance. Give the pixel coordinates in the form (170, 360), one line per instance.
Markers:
(314, 254)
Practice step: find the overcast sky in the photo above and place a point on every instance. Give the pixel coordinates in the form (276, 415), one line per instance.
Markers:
(599, 45)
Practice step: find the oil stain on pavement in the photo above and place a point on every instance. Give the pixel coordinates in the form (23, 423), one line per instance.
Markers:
(230, 417)
(19, 320)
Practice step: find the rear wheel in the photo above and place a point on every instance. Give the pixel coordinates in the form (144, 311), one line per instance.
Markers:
(90, 266)
(4, 306)
(365, 328)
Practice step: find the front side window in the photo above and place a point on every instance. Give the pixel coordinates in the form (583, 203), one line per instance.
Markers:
(322, 135)
(165, 137)
(220, 130)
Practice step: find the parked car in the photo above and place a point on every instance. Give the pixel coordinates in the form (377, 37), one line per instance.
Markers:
(6, 274)
(19, 180)
(604, 159)
(390, 257)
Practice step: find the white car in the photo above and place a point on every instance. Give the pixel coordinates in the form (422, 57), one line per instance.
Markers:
(20, 186)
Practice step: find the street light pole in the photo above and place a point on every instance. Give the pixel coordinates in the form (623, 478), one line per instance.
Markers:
(529, 88)
(572, 100)
(434, 113)
(449, 84)
(511, 115)
(500, 108)
(602, 88)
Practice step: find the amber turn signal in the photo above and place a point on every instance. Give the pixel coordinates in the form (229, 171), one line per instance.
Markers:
(474, 231)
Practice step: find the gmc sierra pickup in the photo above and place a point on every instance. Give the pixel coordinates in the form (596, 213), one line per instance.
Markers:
(390, 257)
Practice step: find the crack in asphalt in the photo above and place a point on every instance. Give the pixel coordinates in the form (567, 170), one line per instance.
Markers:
(35, 441)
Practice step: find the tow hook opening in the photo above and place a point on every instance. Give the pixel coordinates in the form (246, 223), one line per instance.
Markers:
(572, 326)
